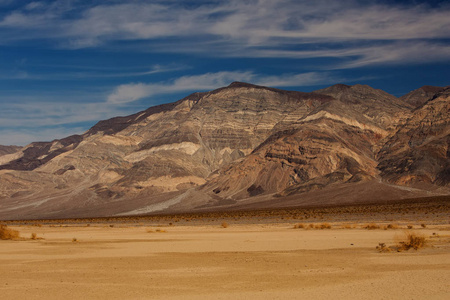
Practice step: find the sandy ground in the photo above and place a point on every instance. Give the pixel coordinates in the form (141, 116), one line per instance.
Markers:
(243, 261)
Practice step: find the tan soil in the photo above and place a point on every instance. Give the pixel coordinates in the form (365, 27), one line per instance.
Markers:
(243, 261)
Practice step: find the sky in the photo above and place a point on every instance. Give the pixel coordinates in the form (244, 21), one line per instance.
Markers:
(65, 65)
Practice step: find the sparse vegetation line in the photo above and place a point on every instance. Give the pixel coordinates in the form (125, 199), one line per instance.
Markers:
(8, 233)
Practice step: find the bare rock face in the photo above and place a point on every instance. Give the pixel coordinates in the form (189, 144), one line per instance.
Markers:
(418, 97)
(376, 105)
(419, 152)
(4, 150)
(332, 144)
(229, 147)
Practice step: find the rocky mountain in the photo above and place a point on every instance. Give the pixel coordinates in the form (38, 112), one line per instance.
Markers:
(4, 150)
(235, 147)
(419, 152)
(418, 97)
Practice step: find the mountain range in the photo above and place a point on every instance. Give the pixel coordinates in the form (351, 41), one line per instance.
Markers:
(239, 147)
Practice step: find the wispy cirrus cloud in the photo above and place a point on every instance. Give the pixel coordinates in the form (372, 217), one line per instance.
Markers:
(134, 91)
(27, 114)
(233, 28)
(27, 120)
(401, 52)
(73, 72)
(24, 136)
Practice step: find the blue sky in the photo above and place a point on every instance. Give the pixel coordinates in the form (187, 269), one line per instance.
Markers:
(64, 65)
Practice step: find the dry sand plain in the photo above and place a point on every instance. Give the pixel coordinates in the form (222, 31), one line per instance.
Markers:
(242, 261)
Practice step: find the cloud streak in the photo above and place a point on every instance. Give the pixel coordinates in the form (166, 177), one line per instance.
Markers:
(87, 72)
(266, 28)
(33, 115)
(134, 91)
(24, 136)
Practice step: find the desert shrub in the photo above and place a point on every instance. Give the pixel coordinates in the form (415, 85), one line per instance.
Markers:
(224, 224)
(410, 227)
(299, 225)
(392, 226)
(412, 240)
(74, 240)
(8, 233)
(322, 226)
(423, 225)
(33, 236)
(383, 248)
(325, 226)
(311, 226)
(372, 226)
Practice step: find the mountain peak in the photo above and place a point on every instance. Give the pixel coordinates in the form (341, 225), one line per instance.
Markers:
(239, 84)
(421, 95)
(340, 86)
(431, 89)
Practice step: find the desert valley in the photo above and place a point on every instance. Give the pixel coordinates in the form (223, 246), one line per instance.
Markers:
(224, 149)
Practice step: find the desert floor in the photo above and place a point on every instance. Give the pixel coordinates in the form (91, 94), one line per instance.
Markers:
(245, 260)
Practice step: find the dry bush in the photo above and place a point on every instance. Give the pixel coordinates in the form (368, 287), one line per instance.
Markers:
(410, 227)
(392, 226)
(371, 226)
(423, 225)
(224, 224)
(33, 236)
(299, 225)
(409, 240)
(8, 233)
(383, 248)
(323, 226)
(311, 226)
(74, 240)
(412, 240)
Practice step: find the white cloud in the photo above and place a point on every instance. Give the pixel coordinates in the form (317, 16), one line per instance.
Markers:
(134, 91)
(235, 27)
(84, 72)
(40, 114)
(379, 54)
(130, 92)
(22, 137)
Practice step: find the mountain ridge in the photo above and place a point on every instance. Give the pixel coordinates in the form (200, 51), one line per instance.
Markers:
(231, 147)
